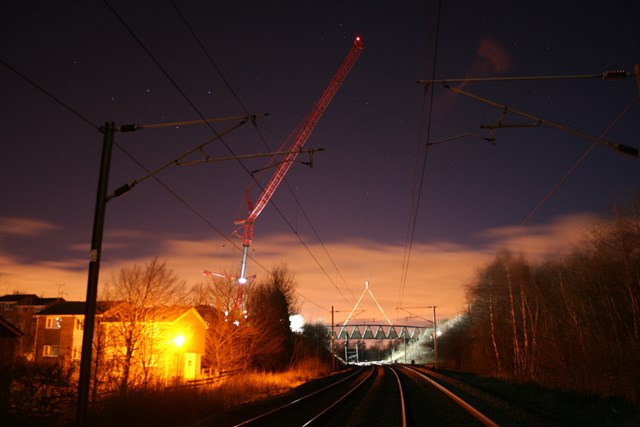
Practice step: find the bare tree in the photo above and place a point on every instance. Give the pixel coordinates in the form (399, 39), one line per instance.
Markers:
(220, 301)
(248, 324)
(140, 295)
(570, 322)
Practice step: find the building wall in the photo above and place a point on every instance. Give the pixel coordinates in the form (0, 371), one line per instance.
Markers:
(59, 339)
(61, 343)
(20, 310)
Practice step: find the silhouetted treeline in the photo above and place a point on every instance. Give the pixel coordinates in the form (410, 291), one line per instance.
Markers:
(572, 322)
(249, 326)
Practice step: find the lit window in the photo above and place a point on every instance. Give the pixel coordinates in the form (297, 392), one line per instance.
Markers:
(76, 353)
(51, 351)
(151, 361)
(54, 322)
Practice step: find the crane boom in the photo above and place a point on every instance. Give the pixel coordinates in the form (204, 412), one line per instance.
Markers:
(305, 131)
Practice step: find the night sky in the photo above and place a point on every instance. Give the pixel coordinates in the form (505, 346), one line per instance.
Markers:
(348, 219)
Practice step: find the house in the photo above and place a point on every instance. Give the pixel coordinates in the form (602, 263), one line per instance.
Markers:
(19, 310)
(167, 342)
(59, 330)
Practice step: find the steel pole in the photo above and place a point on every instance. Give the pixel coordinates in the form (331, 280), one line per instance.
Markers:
(435, 339)
(333, 355)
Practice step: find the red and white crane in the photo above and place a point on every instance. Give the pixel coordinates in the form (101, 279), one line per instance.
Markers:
(287, 159)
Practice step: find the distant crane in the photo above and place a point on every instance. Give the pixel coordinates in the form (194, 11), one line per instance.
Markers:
(286, 160)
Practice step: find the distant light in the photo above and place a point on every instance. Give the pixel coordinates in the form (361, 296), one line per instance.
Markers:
(615, 75)
(296, 322)
(179, 340)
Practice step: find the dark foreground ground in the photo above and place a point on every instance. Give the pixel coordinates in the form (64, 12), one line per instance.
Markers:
(560, 407)
(552, 407)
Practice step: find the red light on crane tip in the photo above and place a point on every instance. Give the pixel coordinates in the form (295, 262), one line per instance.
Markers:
(357, 38)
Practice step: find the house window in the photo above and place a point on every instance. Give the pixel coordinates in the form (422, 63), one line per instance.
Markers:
(76, 353)
(54, 322)
(51, 351)
(151, 361)
(79, 325)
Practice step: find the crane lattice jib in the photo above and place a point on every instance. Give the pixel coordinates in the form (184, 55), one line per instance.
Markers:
(301, 139)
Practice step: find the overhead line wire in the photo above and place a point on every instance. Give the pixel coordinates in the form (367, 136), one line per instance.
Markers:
(193, 106)
(606, 75)
(295, 232)
(50, 95)
(188, 206)
(173, 82)
(365, 212)
(86, 120)
(413, 221)
(625, 149)
(326, 251)
(575, 165)
(206, 52)
(419, 146)
(166, 187)
(297, 201)
(313, 229)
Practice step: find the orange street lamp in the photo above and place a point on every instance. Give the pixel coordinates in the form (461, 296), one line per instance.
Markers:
(179, 340)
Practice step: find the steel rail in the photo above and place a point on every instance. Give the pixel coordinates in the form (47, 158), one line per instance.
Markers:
(466, 406)
(336, 402)
(303, 398)
(403, 411)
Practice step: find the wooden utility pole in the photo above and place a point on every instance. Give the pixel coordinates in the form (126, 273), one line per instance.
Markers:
(94, 271)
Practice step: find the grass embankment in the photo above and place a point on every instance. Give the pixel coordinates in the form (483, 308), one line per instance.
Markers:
(182, 407)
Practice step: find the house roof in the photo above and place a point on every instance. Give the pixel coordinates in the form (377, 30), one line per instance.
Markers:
(17, 297)
(162, 314)
(72, 308)
(28, 299)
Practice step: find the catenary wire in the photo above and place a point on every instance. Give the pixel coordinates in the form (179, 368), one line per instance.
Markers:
(86, 120)
(235, 95)
(209, 57)
(193, 106)
(172, 81)
(625, 149)
(415, 208)
(52, 96)
(574, 166)
(188, 206)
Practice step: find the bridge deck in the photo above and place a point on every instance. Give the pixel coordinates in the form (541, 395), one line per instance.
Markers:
(377, 332)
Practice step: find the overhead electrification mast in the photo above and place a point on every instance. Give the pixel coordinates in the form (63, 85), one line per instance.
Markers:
(292, 152)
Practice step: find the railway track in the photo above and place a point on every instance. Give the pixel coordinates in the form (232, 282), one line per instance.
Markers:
(379, 395)
(431, 403)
